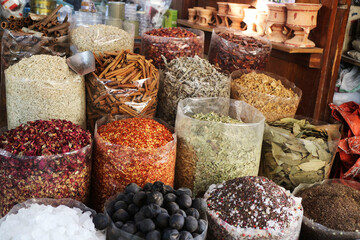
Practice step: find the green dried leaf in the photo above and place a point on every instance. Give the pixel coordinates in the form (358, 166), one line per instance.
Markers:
(296, 129)
(311, 148)
(295, 145)
(324, 155)
(304, 177)
(312, 165)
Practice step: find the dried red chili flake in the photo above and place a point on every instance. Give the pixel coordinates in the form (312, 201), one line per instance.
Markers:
(172, 43)
(131, 150)
(136, 133)
(41, 159)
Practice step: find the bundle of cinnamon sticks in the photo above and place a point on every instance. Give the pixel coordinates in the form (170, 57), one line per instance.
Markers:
(41, 24)
(123, 83)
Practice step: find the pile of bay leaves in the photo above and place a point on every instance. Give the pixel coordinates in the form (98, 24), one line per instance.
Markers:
(295, 151)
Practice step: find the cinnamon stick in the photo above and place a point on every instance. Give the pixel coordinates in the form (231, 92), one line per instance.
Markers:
(58, 27)
(51, 16)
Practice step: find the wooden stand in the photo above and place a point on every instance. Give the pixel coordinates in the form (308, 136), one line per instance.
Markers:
(314, 70)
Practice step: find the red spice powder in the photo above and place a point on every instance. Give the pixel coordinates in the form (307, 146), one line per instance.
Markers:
(136, 133)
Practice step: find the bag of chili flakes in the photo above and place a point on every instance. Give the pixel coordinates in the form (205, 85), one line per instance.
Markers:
(131, 150)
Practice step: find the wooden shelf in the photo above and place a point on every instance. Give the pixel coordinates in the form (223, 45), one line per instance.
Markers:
(186, 23)
(288, 49)
(350, 60)
(309, 57)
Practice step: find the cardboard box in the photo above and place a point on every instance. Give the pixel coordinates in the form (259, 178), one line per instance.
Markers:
(170, 18)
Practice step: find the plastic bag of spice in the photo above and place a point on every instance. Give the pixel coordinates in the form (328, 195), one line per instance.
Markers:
(123, 83)
(232, 50)
(62, 175)
(213, 151)
(144, 156)
(331, 200)
(44, 87)
(273, 95)
(298, 151)
(16, 46)
(172, 43)
(100, 38)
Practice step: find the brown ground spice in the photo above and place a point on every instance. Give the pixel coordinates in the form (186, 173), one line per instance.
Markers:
(333, 205)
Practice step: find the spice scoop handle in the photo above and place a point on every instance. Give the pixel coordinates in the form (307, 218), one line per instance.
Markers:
(82, 63)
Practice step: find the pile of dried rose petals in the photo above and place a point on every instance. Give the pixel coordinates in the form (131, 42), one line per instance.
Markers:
(45, 137)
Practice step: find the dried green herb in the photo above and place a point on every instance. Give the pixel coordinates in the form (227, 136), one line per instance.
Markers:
(295, 151)
(216, 149)
(187, 78)
(214, 117)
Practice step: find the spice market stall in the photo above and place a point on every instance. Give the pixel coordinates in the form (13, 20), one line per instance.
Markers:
(168, 143)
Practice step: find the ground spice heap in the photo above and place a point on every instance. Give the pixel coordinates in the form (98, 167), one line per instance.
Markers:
(136, 133)
(42, 138)
(254, 203)
(335, 206)
(132, 150)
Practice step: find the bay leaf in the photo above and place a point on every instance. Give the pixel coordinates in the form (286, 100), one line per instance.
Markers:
(292, 159)
(296, 129)
(277, 153)
(312, 165)
(295, 145)
(276, 170)
(288, 120)
(321, 143)
(324, 155)
(311, 148)
(304, 177)
(278, 138)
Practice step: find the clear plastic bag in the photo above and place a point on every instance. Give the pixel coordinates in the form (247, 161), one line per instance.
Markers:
(116, 166)
(290, 158)
(100, 38)
(106, 96)
(114, 233)
(156, 9)
(188, 78)
(56, 176)
(211, 152)
(154, 47)
(242, 52)
(43, 87)
(16, 46)
(220, 229)
(315, 231)
(273, 107)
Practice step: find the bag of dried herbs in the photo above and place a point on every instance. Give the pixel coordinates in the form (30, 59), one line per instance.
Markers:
(44, 159)
(273, 95)
(231, 50)
(218, 139)
(131, 150)
(331, 209)
(189, 77)
(295, 151)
